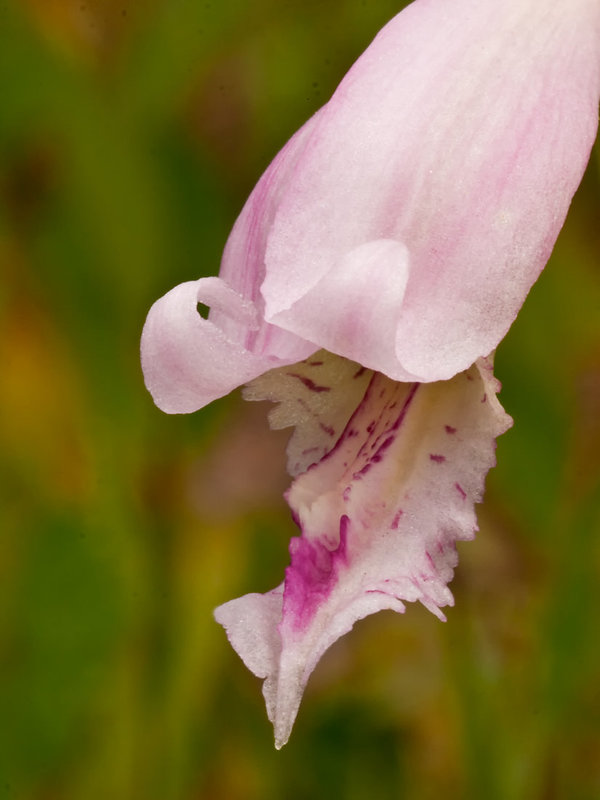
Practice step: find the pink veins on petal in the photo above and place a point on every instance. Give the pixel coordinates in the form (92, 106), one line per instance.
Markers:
(379, 520)
(316, 557)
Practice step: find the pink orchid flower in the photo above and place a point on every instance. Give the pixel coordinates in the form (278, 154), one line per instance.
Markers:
(381, 257)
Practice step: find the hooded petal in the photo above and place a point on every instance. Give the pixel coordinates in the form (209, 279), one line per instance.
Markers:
(461, 134)
(379, 515)
(404, 223)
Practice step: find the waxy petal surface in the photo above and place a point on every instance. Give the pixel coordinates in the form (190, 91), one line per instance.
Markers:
(462, 133)
(380, 515)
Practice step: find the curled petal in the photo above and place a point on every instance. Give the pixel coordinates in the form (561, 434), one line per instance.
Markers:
(189, 361)
(379, 516)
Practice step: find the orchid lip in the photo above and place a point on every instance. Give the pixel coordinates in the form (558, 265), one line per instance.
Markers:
(378, 516)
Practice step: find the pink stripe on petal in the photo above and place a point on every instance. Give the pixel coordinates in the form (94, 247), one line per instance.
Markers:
(319, 417)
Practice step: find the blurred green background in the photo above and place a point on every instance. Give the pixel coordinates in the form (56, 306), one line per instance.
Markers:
(130, 135)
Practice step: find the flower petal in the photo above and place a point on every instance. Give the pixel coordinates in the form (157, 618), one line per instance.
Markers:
(379, 515)
(242, 265)
(316, 396)
(462, 133)
(189, 361)
(358, 303)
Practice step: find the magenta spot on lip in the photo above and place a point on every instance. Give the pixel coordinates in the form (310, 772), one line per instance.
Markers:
(308, 383)
(406, 406)
(327, 428)
(377, 591)
(347, 491)
(396, 520)
(312, 574)
(484, 398)
(449, 429)
(358, 475)
(376, 457)
(310, 450)
(371, 426)
(461, 491)
(437, 458)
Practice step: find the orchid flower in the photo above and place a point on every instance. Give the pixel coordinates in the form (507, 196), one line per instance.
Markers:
(378, 262)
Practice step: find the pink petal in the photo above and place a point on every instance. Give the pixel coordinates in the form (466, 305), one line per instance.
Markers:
(189, 361)
(431, 187)
(242, 265)
(462, 134)
(379, 515)
(357, 303)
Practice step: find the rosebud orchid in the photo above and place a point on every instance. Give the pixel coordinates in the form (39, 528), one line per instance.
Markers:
(380, 259)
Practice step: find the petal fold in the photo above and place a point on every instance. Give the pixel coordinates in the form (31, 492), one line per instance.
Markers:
(187, 360)
(379, 516)
(358, 303)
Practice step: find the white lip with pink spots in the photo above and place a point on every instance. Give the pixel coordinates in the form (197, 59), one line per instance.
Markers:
(379, 516)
